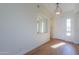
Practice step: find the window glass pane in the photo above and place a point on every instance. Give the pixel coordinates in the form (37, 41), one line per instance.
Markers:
(68, 27)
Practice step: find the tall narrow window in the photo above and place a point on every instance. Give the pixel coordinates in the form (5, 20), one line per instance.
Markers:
(42, 27)
(68, 27)
(37, 27)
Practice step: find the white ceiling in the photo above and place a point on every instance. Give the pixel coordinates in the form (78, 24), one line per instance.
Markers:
(66, 7)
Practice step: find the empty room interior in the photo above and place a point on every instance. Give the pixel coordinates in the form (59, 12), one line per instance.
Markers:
(39, 28)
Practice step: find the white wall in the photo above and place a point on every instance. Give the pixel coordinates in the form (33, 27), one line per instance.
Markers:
(18, 32)
(59, 26)
(76, 27)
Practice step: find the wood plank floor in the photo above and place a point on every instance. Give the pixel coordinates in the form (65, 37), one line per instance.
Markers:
(57, 47)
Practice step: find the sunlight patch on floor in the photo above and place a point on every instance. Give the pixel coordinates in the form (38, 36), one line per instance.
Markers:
(58, 45)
